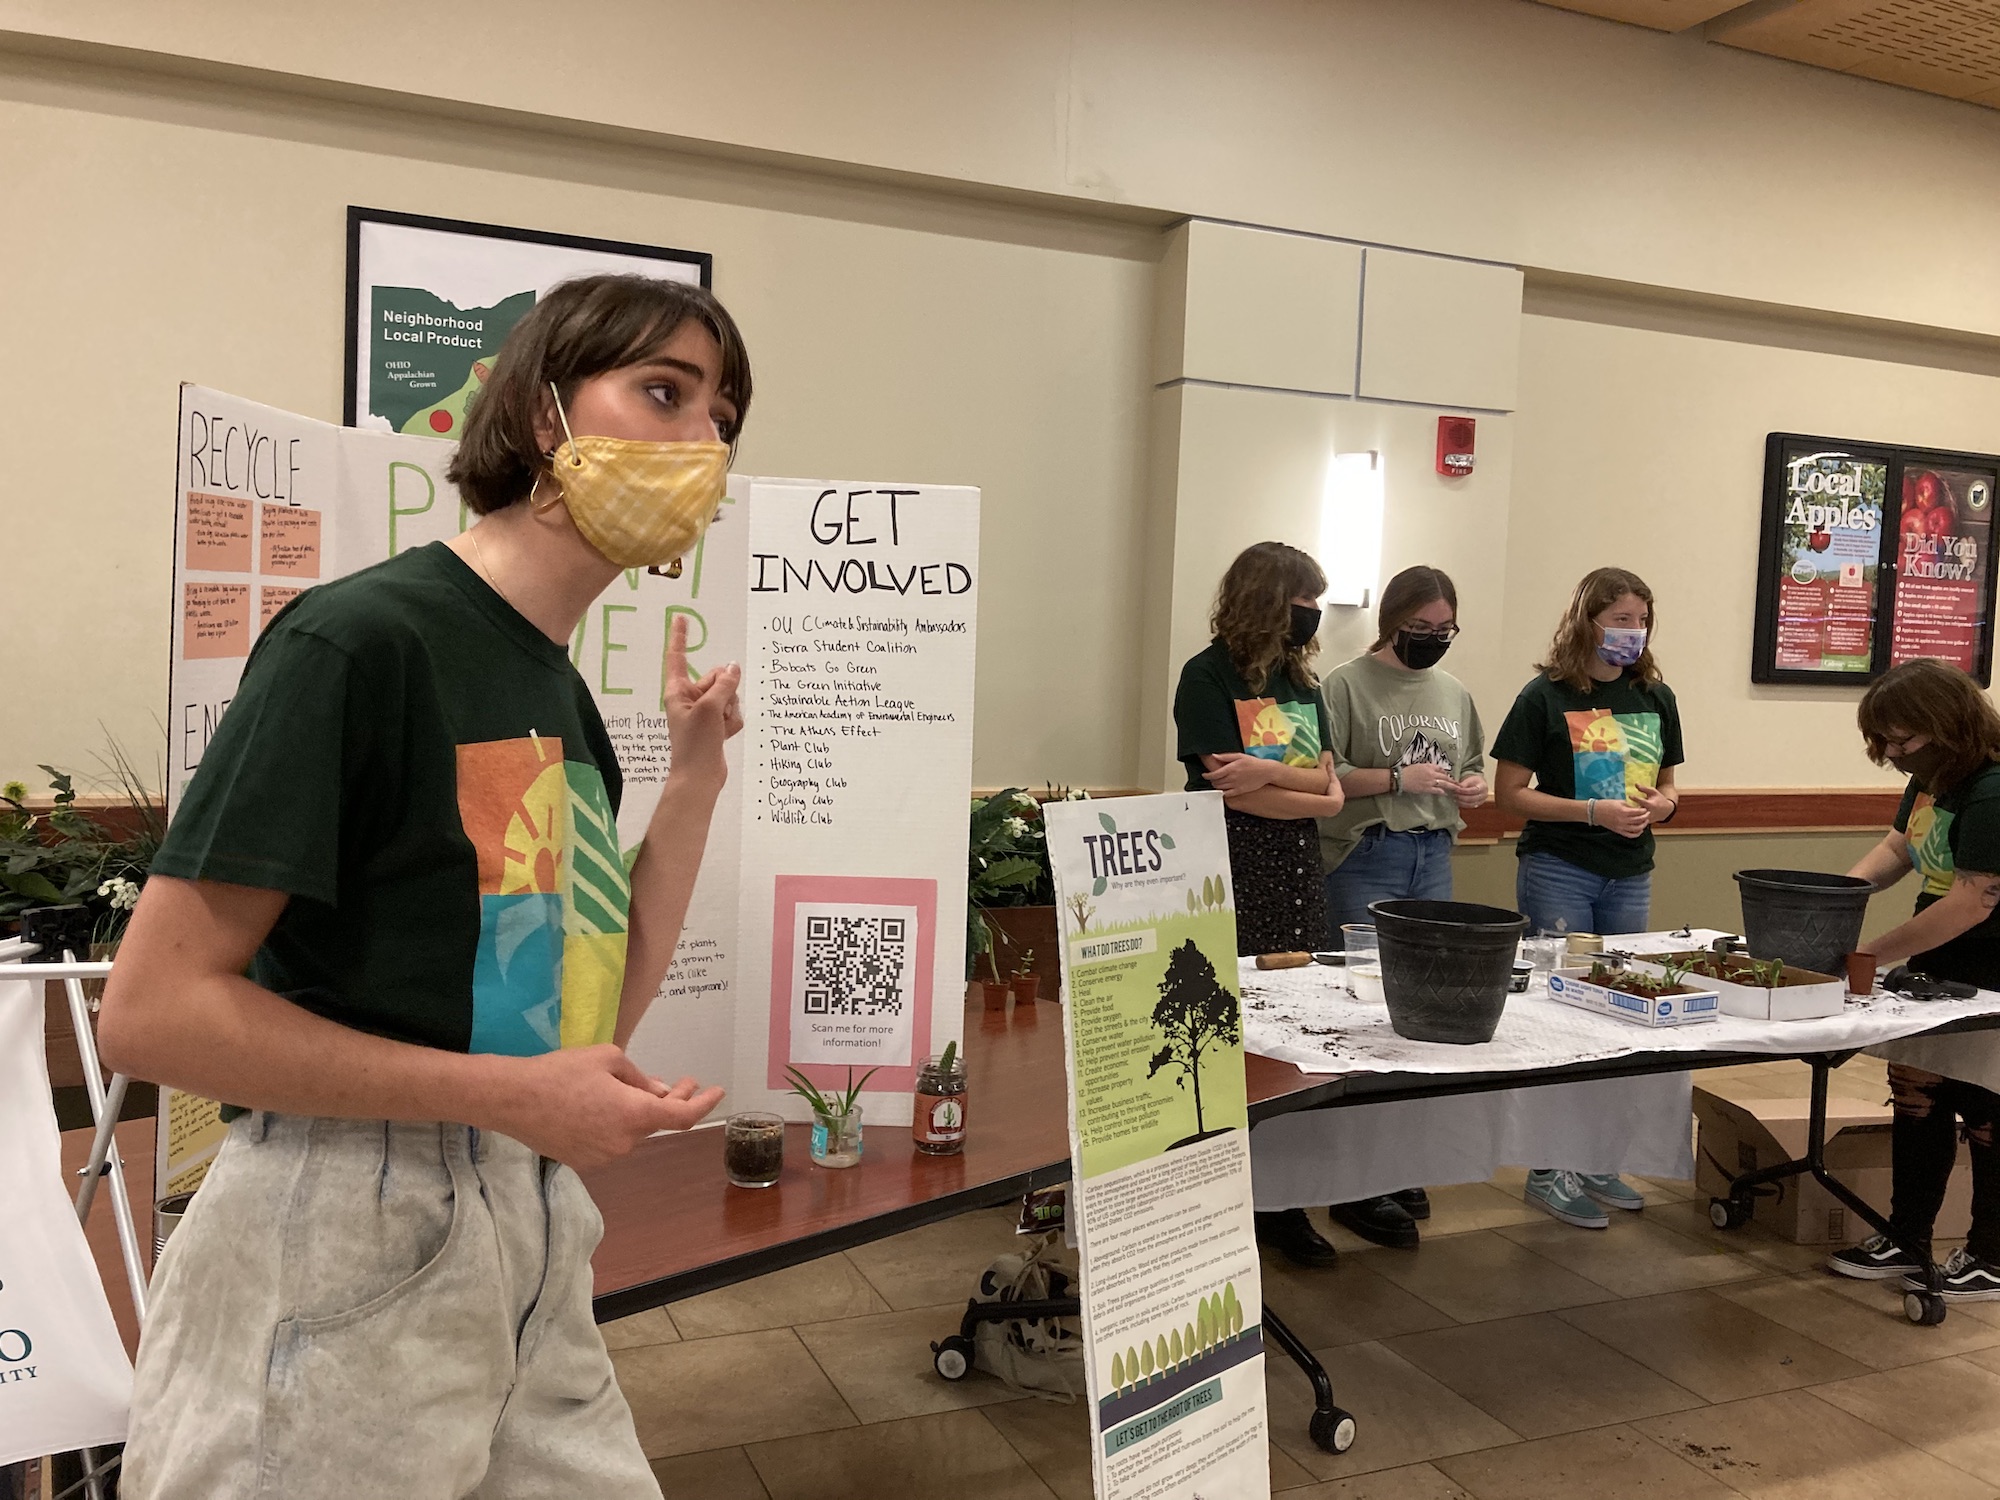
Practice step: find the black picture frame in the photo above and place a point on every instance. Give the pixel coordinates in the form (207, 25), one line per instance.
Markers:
(1898, 461)
(357, 217)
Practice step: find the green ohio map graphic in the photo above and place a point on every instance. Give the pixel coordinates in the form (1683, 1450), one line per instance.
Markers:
(428, 357)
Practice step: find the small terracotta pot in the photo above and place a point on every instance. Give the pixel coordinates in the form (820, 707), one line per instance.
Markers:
(996, 995)
(1860, 973)
(1027, 989)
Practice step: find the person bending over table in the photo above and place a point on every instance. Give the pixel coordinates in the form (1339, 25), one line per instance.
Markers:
(1932, 723)
(1408, 748)
(1251, 725)
(1599, 734)
(404, 830)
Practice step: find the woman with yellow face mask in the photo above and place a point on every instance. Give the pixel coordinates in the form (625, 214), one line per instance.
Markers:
(405, 831)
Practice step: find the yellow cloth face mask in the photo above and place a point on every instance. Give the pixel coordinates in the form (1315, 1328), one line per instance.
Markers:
(641, 504)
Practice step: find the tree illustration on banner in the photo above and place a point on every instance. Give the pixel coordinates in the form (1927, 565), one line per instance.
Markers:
(1195, 1015)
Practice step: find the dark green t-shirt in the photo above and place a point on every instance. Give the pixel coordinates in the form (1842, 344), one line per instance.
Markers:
(1960, 827)
(424, 773)
(1215, 713)
(1604, 743)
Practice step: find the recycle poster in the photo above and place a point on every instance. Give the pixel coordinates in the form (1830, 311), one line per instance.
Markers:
(1160, 1148)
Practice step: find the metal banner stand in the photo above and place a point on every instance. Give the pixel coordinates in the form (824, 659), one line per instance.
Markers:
(20, 960)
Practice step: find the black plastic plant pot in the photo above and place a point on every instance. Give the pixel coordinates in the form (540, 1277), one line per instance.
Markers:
(1810, 919)
(1446, 966)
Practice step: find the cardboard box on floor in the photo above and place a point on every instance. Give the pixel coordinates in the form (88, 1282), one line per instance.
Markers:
(1744, 1134)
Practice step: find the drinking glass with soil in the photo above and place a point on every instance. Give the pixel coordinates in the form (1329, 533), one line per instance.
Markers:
(753, 1149)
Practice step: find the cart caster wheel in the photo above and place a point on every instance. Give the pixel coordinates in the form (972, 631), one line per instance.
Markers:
(1925, 1309)
(953, 1357)
(1728, 1213)
(1333, 1430)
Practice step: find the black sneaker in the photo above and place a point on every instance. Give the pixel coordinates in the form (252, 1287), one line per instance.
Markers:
(1382, 1220)
(1966, 1279)
(1878, 1259)
(1413, 1201)
(1291, 1234)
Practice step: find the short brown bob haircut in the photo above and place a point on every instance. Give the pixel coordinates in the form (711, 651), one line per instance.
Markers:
(1575, 643)
(1936, 699)
(1403, 596)
(1253, 613)
(579, 330)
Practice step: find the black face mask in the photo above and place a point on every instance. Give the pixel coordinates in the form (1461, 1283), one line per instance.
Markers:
(1419, 651)
(1305, 625)
(1923, 764)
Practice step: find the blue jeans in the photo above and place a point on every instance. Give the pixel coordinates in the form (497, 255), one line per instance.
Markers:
(1559, 897)
(1385, 866)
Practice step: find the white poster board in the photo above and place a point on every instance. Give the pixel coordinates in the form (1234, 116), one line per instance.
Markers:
(65, 1382)
(1160, 1148)
(256, 485)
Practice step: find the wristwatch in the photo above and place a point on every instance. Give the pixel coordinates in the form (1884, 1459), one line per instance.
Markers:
(1395, 781)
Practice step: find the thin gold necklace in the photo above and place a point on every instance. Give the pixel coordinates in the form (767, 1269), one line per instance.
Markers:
(486, 568)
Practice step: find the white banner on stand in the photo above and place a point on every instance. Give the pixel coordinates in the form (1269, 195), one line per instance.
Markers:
(1160, 1148)
(65, 1382)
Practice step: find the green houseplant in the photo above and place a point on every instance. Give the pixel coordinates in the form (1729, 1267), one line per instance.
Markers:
(836, 1133)
(69, 855)
(1010, 908)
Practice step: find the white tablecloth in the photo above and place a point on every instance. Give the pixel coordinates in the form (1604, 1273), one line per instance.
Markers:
(1639, 1124)
(1305, 1017)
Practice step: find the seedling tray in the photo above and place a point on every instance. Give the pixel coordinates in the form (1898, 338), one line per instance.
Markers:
(1573, 987)
(1806, 996)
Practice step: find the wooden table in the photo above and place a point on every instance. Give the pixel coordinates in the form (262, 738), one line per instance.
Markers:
(673, 1226)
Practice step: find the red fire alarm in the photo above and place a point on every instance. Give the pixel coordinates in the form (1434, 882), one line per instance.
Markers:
(1455, 446)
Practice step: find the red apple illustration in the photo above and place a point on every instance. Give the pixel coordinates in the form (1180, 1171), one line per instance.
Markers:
(1819, 541)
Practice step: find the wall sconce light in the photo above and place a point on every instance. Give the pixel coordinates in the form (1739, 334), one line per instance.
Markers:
(1350, 528)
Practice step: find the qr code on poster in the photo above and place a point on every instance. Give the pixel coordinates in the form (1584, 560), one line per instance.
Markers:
(855, 964)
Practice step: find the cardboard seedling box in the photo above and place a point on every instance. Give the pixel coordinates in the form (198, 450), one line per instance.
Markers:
(1574, 987)
(1806, 996)
(1737, 1135)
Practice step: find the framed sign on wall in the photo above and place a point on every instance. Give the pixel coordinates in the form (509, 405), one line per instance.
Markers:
(430, 301)
(1872, 555)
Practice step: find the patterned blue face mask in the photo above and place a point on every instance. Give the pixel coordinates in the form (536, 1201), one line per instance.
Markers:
(1621, 648)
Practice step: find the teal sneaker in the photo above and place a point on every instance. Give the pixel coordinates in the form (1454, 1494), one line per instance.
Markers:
(1611, 1190)
(1560, 1195)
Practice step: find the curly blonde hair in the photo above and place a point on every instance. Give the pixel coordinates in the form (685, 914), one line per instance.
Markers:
(1575, 645)
(1253, 613)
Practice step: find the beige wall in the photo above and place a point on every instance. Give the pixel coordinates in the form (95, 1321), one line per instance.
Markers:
(894, 335)
(1505, 131)
(940, 223)
(1645, 449)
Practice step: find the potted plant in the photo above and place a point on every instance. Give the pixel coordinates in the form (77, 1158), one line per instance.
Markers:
(1649, 999)
(1012, 913)
(836, 1132)
(1026, 983)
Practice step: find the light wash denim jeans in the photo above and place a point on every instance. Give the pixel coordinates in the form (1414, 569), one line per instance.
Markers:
(1386, 866)
(1559, 897)
(355, 1307)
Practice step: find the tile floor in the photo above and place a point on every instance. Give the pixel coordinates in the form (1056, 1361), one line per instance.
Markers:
(1509, 1358)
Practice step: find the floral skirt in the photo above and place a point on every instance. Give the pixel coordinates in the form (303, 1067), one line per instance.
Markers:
(1280, 887)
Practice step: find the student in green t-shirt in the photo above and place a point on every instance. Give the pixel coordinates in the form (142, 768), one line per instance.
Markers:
(1598, 733)
(404, 831)
(1932, 723)
(1251, 725)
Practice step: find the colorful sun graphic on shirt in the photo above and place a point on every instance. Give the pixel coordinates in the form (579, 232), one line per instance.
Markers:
(1614, 755)
(1929, 836)
(1284, 732)
(553, 897)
